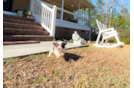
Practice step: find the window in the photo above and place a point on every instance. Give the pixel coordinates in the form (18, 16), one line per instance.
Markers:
(83, 31)
(4, 0)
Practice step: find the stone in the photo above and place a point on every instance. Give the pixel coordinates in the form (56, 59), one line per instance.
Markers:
(77, 39)
(19, 13)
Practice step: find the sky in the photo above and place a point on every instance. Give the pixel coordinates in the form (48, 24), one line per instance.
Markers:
(126, 4)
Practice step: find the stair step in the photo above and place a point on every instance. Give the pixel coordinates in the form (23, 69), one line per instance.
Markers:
(16, 17)
(21, 26)
(9, 31)
(12, 20)
(27, 37)
(19, 42)
(23, 29)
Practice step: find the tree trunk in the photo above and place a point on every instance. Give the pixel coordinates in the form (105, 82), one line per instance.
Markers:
(111, 12)
(116, 8)
(102, 14)
(106, 12)
(122, 7)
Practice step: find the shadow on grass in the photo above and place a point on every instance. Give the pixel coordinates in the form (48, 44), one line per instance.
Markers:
(70, 56)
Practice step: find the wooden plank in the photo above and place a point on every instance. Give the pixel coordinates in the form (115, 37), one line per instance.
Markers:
(19, 42)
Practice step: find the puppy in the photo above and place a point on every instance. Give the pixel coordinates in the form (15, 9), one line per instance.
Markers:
(58, 49)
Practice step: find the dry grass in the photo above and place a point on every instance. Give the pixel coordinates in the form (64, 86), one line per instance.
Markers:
(87, 67)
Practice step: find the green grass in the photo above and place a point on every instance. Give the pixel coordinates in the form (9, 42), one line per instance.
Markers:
(39, 79)
(8, 59)
(31, 55)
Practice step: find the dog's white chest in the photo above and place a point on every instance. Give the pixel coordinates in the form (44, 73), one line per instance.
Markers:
(58, 54)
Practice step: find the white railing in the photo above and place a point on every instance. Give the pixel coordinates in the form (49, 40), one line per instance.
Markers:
(45, 15)
(66, 11)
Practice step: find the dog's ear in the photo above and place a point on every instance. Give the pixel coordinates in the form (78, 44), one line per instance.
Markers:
(64, 43)
(55, 44)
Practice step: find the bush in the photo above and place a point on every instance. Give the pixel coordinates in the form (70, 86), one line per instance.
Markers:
(25, 12)
(114, 41)
(127, 41)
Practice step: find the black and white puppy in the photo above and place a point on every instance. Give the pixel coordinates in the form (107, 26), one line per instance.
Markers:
(58, 49)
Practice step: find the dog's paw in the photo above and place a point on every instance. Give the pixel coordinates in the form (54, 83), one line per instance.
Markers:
(59, 57)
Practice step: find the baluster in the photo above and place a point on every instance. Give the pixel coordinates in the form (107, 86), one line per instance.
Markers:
(48, 19)
(44, 16)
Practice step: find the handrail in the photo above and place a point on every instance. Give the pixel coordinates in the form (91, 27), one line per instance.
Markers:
(45, 15)
(40, 2)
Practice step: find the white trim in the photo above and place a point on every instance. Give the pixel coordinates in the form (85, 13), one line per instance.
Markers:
(9, 13)
(71, 25)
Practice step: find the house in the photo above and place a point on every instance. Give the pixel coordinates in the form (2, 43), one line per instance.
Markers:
(60, 18)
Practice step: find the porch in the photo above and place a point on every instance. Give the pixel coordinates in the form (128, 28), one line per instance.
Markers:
(69, 14)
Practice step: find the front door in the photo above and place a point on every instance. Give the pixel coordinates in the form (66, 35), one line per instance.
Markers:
(7, 5)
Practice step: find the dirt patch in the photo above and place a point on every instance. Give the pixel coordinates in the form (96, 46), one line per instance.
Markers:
(87, 67)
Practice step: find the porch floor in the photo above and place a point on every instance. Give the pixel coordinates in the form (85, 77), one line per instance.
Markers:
(10, 51)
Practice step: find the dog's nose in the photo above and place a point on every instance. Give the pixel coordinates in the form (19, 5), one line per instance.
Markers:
(59, 48)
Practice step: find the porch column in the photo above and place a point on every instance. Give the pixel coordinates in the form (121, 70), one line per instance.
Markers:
(30, 6)
(62, 8)
(89, 26)
(79, 13)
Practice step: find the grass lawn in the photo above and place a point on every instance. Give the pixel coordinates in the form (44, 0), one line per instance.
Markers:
(87, 67)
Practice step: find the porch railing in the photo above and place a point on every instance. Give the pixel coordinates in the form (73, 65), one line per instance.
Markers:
(45, 15)
(66, 11)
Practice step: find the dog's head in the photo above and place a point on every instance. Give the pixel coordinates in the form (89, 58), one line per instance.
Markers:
(60, 46)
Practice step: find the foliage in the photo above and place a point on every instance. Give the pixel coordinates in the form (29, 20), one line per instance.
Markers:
(127, 41)
(25, 12)
(120, 19)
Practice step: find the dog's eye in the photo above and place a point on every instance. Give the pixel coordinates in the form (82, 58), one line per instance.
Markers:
(57, 45)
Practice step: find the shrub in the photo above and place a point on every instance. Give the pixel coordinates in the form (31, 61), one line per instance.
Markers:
(127, 41)
(114, 41)
(25, 12)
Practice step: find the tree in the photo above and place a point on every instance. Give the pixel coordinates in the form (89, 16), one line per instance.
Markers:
(122, 7)
(111, 12)
(120, 20)
(106, 12)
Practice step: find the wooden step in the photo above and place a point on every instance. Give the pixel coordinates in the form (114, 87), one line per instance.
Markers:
(21, 26)
(20, 21)
(16, 17)
(9, 31)
(19, 42)
(27, 38)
